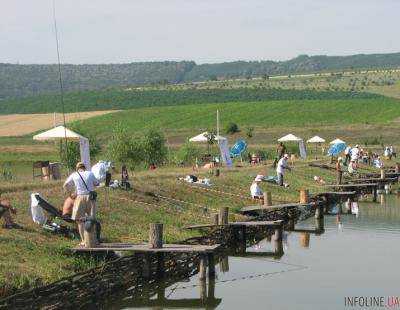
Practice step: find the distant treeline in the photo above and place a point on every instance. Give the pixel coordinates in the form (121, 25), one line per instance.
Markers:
(30, 80)
(123, 99)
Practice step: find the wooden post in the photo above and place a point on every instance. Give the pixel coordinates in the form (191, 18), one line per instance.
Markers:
(278, 244)
(146, 266)
(156, 235)
(202, 277)
(211, 265)
(383, 174)
(291, 224)
(267, 199)
(90, 237)
(224, 264)
(374, 194)
(383, 200)
(223, 215)
(319, 224)
(305, 239)
(160, 265)
(215, 218)
(319, 212)
(304, 196)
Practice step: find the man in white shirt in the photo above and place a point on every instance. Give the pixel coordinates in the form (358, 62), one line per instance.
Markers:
(281, 167)
(355, 153)
(84, 182)
(255, 190)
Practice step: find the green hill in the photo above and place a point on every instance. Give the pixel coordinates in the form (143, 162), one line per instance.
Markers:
(189, 119)
(18, 81)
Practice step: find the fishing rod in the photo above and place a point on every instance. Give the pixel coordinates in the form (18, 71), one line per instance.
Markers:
(60, 79)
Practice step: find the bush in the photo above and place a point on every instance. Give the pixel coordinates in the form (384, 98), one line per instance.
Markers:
(188, 153)
(154, 149)
(135, 150)
(249, 132)
(232, 128)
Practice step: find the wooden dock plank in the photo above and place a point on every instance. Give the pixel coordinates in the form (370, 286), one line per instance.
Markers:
(379, 180)
(144, 248)
(273, 208)
(351, 185)
(336, 193)
(246, 224)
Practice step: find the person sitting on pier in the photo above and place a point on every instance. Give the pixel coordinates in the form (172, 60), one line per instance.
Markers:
(352, 168)
(255, 190)
(281, 167)
(69, 205)
(319, 180)
(5, 212)
(378, 163)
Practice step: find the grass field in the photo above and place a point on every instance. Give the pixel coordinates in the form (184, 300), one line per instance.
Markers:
(22, 124)
(33, 257)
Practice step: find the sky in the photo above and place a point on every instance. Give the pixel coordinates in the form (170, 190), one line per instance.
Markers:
(206, 31)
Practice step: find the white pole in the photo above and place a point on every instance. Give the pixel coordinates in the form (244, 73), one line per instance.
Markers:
(217, 123)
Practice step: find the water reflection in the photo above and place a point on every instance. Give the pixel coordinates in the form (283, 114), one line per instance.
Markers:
(340, 250)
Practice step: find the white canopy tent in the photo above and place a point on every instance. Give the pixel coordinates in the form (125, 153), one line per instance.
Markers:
(292, 138)
(336, 141)
(203, 137)
(316, 139)
(289, 137)
(59, 133)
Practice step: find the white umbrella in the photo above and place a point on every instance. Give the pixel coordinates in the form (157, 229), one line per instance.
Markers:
(316, 139)
(289, 137)
(59, 133)
(336, 141)
(203, 137)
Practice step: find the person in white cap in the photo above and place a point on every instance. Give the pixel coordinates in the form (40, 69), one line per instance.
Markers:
(281, 167)
(255, 190)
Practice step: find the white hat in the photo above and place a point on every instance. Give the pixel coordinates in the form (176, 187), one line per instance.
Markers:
(286, 155)
(259, 178)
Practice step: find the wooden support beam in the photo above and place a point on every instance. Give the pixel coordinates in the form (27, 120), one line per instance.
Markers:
(215, 218)
(304, 196)
(277, 238)
(267, 199)
(211, 265)
(223, 215)
(160, 265)
(156, 235)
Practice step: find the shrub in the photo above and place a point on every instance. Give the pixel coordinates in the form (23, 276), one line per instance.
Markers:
(188, 153)
(154, 149)
(232, 128)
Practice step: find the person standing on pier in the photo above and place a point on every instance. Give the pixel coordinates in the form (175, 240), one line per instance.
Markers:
(339, 172)
(280, 151)
(85, 202)
(281, 167)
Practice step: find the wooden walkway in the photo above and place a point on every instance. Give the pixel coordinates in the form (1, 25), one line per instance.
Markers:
(144, 248)
(292, 205)
(238, 224)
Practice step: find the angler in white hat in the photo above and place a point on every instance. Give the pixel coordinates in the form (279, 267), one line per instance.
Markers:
(255, 190)
(281, 167)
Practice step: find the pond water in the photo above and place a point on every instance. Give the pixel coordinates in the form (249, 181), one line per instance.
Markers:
(358, 256)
